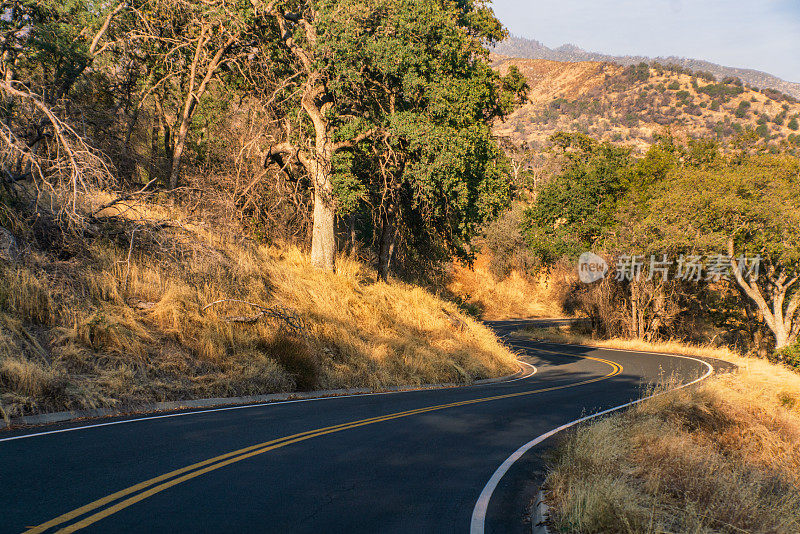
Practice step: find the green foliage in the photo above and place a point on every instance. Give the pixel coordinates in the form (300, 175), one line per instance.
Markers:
(793, 124)
(674, 86)
(47, 41)
(718, 90)
(410, 80)
(705, 75)
(576, 207)
(349, 190)
(789, 356)
(630, 120)
(515, 83)
(703, 153)
(741, 111)
(754, 202)
(638, 73)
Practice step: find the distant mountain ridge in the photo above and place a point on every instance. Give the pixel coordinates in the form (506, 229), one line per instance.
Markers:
(532, 49)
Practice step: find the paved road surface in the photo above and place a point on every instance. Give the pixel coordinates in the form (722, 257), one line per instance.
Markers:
(398, 462)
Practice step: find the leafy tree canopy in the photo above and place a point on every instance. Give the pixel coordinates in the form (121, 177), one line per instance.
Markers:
(576, 207)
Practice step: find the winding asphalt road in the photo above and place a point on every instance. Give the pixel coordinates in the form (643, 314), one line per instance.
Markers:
(395, 462)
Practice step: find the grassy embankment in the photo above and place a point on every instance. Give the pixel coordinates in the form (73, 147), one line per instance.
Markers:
(723, 456)
(516, 296)
(100, 323)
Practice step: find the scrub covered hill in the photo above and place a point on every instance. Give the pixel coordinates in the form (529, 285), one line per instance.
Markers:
(631, 105)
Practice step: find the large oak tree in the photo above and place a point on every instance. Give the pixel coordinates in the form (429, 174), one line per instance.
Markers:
(749, 208)
(405, 83)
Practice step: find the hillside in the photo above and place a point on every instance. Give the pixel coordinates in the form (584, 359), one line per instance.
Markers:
(169, 309)
(632, 104)
(532, 49)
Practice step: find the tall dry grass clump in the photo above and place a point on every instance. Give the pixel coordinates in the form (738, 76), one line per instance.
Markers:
(516, 296)
(720, 457)
(125, 320)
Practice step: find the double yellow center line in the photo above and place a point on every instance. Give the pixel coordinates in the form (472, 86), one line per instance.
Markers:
(150, 487)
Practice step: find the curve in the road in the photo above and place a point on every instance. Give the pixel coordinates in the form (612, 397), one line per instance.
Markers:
(163, 482)
(338, 464)
(478, 521)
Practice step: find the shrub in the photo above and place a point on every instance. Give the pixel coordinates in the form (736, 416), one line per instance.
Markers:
(741, 111)
(716, 90)
(793, 125)
(638, 73)
(705, 75)
(674, 86)
(789, 356)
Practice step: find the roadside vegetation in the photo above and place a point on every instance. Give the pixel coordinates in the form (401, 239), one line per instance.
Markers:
(701, 246)
(719, 457)
(216, 198)
(490, 295)
(125, 322)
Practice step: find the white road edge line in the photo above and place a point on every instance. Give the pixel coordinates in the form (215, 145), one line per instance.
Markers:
(477, 524)
(259, 405)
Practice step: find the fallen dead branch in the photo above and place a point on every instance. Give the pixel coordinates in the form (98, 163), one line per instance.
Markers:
(289, 321)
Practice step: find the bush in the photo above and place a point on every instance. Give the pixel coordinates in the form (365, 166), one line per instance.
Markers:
(793, 125)
(674, 86)
(705, 75)
(638, 73)
(741, 111)
(716, 90)
(788, 356)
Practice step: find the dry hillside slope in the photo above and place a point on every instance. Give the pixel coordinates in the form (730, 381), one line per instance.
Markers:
(520, 47)
(118, 321)
(631, 105)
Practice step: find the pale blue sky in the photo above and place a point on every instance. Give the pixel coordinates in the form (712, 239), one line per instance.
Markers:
(757, 34)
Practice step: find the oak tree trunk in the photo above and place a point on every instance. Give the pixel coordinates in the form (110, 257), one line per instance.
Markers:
(780, 318)
(388, 237)
(323, 235)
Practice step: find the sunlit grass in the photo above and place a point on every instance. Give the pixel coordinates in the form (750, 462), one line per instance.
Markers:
(723, 456)
(515, 297)
(102, 331)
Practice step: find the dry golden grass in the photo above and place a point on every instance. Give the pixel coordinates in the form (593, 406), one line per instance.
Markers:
(98, 330)
(567, 334)
(515, 297)
(723, 456)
